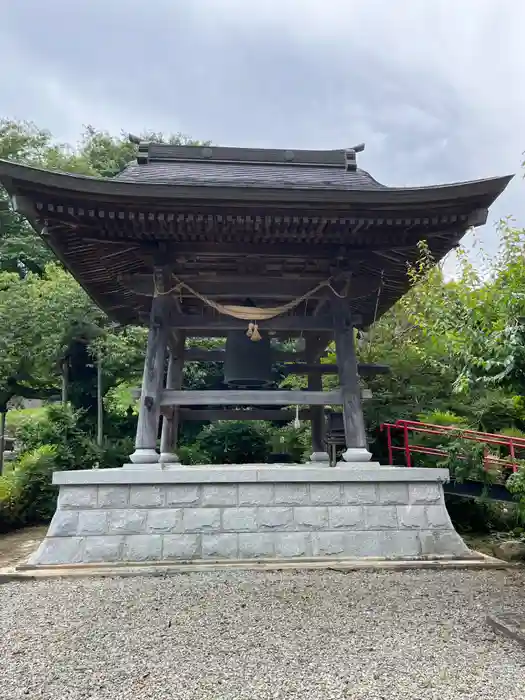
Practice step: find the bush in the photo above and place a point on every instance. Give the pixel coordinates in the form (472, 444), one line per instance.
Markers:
(445, 418)
(493, 411)
(192, 454)
(478, 515)
(8, 508)
(27, 496)
(437, 417)
(115, 453)
(32, 475)
(17, 417)
(234, 442)
(59, 427)
(297, 442)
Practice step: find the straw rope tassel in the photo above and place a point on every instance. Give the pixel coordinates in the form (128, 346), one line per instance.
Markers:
(297, 421)
(255, 333)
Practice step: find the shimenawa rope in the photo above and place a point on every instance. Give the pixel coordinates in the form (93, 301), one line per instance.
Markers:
(248, 313)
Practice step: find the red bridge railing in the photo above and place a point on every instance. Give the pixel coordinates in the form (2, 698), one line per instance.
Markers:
(409, 428)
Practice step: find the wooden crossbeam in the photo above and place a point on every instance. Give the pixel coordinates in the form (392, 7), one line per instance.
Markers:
(226, 323)
(211, 414)
(219, 354)
(230, 397)
(296, 366)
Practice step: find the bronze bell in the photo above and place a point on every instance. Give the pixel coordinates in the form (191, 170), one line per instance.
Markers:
(247, 364)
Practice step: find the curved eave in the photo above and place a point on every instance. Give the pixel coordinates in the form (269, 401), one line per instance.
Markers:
(16, 177)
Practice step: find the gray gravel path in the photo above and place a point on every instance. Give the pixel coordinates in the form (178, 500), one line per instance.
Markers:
(238, 635)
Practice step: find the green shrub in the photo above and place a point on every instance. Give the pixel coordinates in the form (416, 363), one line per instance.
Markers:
(9, 514)
(444, 418)
(59, 427)
(27, 496)
(192, 454)
(481, 516)
(513, 432)
(441, 442)
(35, 494)
(516, 484)
(493, 412)
(234, 442)
(297, 442)
(17, 417)
(115, 453)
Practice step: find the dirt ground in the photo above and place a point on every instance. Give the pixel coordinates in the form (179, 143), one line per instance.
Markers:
(15, 547)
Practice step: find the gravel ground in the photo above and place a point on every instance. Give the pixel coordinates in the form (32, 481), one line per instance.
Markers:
(237, 635)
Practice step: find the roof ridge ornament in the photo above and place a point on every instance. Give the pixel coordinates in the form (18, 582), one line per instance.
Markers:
(351, 158)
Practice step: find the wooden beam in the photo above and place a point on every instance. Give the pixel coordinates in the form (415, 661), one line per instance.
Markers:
(230, 397)
(234, 286)
(310, 369)
(211, 414)
(367, 370)
(218, 355)
(226, 323)
(215, 249)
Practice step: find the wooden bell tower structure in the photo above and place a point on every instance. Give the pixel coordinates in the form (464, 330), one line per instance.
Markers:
(279, 245)
(212, 241)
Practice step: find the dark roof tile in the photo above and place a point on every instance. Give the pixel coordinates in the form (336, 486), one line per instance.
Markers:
(274, 176)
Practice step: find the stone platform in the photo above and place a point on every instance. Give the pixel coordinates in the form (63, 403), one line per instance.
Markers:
(248, 513)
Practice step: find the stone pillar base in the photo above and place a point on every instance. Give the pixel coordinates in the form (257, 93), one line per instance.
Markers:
(168, 459)
(320, 458)
(143, 456)
(248, 512)
(357, 454)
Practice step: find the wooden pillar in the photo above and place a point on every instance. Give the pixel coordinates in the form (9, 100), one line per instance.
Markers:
(317, 422)
(153, 378)
(170, 420)
(354, 425)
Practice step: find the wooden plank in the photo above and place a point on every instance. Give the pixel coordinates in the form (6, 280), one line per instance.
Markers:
(310, 369)
(230, 397)
(226, 323)
(218, 355)
(365, 370)
(218, 249)
(210, 414)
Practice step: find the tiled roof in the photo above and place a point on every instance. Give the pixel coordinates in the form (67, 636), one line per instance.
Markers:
(267, 175)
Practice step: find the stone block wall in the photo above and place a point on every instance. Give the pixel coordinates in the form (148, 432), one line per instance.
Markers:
(194, 521)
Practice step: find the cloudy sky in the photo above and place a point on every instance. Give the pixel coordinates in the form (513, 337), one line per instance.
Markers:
(435, 88)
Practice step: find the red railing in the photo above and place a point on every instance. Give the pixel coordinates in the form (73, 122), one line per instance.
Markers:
(408, 427)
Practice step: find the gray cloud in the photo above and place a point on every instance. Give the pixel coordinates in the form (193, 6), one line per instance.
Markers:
(435, 88)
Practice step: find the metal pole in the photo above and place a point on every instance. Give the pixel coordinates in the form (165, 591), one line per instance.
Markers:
(2, 440)
(100, 407)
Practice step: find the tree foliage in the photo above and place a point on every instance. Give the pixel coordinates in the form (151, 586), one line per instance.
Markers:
(45, 316)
